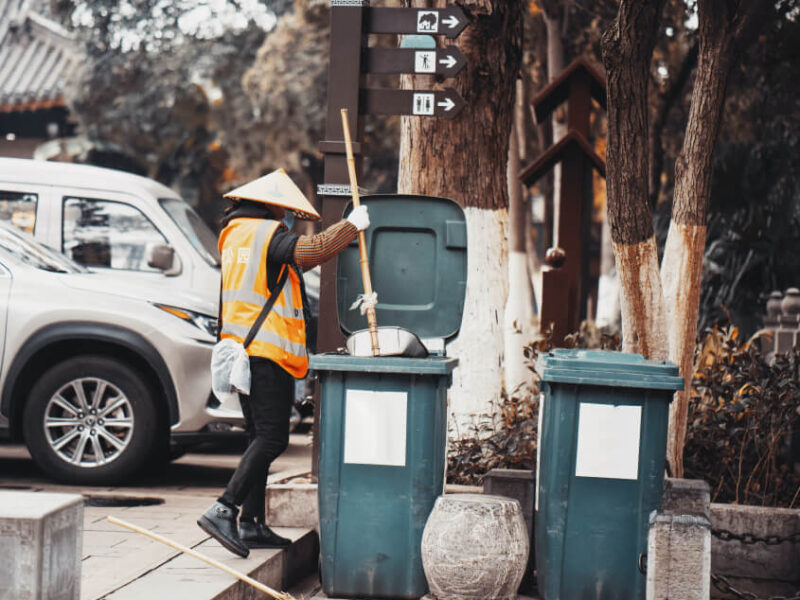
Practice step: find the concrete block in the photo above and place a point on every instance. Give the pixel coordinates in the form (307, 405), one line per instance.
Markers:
(513, 483)
(40, 546)
(296, 504)
(779, 562)
(686, 497)
(678, 557)
(519, 484)
(292, 505)
(302, 559)
(784, 341)
(457, 488)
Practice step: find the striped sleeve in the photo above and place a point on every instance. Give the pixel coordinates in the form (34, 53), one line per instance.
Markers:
(312, 250)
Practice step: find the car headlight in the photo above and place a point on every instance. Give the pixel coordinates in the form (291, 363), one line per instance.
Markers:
(204, 322)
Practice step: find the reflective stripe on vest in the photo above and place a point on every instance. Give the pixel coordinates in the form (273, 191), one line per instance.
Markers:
(243, 246)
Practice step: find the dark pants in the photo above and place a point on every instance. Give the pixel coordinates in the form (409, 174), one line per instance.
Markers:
(266, 414)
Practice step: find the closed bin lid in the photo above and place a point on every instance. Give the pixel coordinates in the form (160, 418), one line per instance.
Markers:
(602, 367)
(417, 249)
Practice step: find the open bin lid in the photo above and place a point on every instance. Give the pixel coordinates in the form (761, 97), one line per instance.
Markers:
(602, 367)
(417, 249)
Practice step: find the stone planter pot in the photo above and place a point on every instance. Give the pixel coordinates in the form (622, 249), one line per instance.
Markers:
(474, 547)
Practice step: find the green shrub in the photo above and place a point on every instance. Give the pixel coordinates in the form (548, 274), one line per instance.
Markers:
(742, 413)
(506, 438)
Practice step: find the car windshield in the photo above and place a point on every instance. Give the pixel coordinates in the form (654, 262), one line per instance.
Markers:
(23, 248)
(193, 227)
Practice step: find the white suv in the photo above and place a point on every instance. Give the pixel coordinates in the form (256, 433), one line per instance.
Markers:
(98, 373)
(131, 228)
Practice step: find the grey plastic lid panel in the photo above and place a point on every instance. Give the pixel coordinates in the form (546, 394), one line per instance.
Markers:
(435, 365)
(601, 367)
(417, 248)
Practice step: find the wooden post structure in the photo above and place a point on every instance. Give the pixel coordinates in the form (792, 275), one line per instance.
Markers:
(563, 301)
(344, 84)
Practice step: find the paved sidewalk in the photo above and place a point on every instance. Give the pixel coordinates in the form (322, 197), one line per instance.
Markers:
(114, 557)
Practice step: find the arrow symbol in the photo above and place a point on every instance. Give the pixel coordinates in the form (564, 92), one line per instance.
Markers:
(449, 61)
(451, 21)
(447, 104)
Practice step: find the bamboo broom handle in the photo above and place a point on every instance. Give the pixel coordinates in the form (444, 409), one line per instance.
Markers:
(241, 576)
(372, 321)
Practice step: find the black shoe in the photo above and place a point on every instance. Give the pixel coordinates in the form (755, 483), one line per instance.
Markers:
(257, 535)
(219, 522)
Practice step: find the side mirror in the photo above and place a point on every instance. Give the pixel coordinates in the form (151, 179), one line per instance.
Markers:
(162, 257)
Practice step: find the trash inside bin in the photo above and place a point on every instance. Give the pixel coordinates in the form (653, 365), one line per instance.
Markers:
(602, 446)
(383, 420)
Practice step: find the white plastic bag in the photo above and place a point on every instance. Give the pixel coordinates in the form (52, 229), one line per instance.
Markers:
(230, 372)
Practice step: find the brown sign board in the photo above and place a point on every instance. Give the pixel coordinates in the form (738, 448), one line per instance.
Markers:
(449, 21)
(446, 62)
(445, 103)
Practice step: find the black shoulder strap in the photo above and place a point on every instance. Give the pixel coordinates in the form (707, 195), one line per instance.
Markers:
(273, 297)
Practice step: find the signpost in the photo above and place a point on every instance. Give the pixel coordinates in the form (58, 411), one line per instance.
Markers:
(446, 62)
(449, 21)
(352, 21)
(445, 103)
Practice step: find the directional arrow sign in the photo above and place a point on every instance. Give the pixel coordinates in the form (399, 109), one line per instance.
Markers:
(440, 103)
(447, 62)
(449, 21)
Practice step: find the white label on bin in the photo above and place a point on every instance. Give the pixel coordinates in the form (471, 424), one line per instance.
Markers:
(538, 449)
(375, 428)
(608, 441)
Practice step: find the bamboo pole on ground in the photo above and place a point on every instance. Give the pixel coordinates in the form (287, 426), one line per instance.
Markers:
(214, 563)
(362, 240)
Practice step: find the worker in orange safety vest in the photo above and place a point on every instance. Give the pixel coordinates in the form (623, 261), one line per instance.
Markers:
(258, 252)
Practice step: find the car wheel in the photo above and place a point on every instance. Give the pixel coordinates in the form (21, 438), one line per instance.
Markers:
(91, 420)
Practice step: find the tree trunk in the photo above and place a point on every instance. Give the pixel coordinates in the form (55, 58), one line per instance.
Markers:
(682, 265)
(627, 50)
(518, 317)
(554, 19)
(465, 159)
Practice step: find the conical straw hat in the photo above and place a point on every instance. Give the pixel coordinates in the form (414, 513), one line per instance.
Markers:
(277, 189)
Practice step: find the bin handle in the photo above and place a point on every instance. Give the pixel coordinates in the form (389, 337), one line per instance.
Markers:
(642, 563)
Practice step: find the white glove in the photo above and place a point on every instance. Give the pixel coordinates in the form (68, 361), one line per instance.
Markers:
(359, 217)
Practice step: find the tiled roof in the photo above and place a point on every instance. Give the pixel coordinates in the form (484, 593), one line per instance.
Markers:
(36, 57)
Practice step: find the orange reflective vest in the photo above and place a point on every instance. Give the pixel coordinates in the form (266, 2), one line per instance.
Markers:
(243, 246)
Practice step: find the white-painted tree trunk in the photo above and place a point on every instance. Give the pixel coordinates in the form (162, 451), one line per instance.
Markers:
(608, 309)
(478, 380)
(555, 64)
(518, 322)
(518, 319)
(641, 300)
(681, 275)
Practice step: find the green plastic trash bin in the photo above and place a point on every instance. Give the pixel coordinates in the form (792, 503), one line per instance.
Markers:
(600, 471)
(383, 420)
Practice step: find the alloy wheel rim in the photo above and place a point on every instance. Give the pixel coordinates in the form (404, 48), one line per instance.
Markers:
(88, 422)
